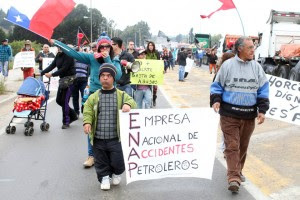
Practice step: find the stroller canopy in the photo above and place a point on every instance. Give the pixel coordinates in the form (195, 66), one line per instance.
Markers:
(32, 87)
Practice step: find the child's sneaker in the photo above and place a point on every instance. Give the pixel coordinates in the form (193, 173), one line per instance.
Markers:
(116, 179)
(105, 183)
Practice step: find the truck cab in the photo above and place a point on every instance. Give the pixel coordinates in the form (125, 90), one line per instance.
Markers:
(278, 48)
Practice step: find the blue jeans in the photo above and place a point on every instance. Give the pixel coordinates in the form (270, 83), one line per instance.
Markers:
(143, 96)
(79, 86)
(90, 148)
(126, 88)
(4, 68)
(181, 72)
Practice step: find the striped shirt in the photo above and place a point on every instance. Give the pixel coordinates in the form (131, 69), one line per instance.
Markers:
(81, 69)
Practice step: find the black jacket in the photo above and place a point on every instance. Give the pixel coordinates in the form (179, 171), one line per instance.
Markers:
(135, 53)
(212, 59)
(125, 78)
(64, 64)
(181, 58)
(43, 55)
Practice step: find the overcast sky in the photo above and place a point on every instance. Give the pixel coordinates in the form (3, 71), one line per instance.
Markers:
(179, 16)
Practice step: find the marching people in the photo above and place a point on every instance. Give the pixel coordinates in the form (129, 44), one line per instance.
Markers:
(132, 50)
(82, 75)
(101, 122)
(240, 93)
(181, 59)
(104, 54)
(5, 54)
(45, 53)
(27, 71)
(66, 73)
(152, 54)
(143, 93)
(124, 82)
(166, 58)
(212, 60)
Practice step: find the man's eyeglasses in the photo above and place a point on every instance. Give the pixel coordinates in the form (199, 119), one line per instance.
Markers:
(113, 44)
(104, 46)
(94, 47)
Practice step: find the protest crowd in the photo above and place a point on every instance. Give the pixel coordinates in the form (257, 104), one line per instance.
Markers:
(98, 79)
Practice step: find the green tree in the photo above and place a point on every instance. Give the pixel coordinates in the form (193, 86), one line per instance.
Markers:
(2, 34)
(138, 33)
(215, 39)
(3, 23)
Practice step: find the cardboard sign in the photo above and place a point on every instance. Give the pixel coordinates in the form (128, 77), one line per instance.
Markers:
(151, 72)
(284, 100)
(159, 143)
(24, 59)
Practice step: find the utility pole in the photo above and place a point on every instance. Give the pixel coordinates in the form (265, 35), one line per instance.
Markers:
(140, 41)
(91, 20)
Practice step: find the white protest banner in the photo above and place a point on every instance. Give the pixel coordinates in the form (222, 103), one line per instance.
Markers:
(189, 65)
(159, 143)
(284, 100)
(54, 80)
(24, 59)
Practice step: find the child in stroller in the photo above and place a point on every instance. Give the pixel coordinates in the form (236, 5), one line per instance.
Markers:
(30, 104)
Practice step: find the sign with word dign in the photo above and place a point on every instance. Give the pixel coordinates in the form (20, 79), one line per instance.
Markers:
(159, 143)
(24, 59)
(284, 100)
(150, 73)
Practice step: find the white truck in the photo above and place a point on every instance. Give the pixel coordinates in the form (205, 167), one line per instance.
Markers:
(278, 49)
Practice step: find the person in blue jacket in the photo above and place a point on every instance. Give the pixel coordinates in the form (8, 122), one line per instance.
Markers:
(104, 54)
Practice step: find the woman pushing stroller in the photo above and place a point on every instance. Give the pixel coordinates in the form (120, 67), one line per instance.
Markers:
(67, 74)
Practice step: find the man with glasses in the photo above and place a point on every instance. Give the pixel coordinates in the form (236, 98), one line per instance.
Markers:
(124, 82)
(240, 93)
(132, 50)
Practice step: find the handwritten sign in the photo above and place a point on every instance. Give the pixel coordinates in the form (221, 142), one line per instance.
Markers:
(168, 143)
(284, 100)
(150, 73)
(24, 59)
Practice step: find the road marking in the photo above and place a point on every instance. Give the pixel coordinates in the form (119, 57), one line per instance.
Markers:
(7, 180)
(248, 185)
(19, 120)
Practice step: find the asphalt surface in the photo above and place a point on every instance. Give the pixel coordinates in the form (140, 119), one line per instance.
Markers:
(48, 165)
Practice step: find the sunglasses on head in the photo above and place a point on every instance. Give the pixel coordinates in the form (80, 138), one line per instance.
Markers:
(104, 46)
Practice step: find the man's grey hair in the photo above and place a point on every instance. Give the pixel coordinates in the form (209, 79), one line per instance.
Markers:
(241, 42)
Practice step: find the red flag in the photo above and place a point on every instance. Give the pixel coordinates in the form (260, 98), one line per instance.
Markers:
(227, 4)
(50, 15)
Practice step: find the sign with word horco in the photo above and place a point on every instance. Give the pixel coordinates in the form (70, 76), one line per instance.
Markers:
(159, 143)
(284, 100)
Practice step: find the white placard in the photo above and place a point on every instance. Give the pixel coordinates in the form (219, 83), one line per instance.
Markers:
(24, 59)
(159, 143)
(189, 65)
(54, 80)
(284, 100)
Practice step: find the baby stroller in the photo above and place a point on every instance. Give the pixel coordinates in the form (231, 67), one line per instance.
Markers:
(31, 104)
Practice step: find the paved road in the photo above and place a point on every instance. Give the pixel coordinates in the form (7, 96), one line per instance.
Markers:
(49, 165)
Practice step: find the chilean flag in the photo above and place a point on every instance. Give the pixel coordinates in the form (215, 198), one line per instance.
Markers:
(41, 20)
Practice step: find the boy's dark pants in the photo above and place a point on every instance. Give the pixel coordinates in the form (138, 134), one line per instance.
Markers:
(237, 133)
(108, 157)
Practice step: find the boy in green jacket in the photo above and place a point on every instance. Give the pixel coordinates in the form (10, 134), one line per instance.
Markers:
(101, 121)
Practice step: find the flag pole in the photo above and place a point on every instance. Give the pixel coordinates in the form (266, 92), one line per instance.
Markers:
(240, 19)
